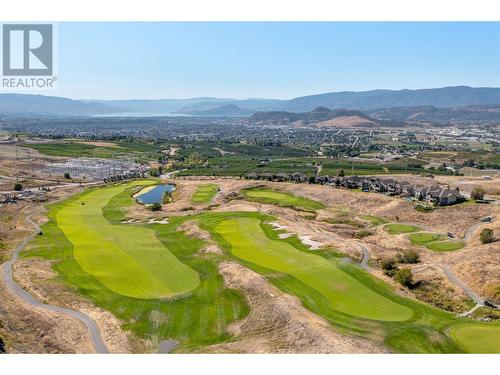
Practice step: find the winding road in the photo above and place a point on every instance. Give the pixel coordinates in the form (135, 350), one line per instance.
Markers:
(95, 334)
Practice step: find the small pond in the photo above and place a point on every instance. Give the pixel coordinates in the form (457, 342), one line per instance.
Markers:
(153, 194)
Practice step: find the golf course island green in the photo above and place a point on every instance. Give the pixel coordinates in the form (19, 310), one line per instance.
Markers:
(422, 238)
(204, 193)
(281, 198)
(155, 280)
(400, 228)
(444, 246)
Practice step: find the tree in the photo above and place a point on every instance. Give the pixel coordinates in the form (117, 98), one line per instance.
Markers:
(66, 175)
(341, 173)
(389, 266)
(156, 206)
(486, 236)
(410, 256)
(477, 193)
(18, 186)
(404, 277)
(153, 172)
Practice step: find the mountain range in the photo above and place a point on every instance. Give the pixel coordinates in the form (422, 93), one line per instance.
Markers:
(440, 104)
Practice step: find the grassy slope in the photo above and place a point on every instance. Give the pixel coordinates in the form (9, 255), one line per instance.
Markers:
(204, 193)
(131, 262)
(199, 318)
(280, 198)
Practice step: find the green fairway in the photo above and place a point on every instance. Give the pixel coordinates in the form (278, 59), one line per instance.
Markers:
(197, 318)
(205, 193)
(423, 238)
(400, 228)
(477, 338)
(129, 270)
(444, 246)
(343, 292)
(280, 198)
(131, 262)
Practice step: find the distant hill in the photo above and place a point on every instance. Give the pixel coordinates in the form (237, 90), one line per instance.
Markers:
(225, 110)
(320, 117)
(477, 113)
(19, 104)
(446, 97)
(366, 100)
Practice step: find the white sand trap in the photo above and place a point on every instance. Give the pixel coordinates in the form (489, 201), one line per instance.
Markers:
(158, 221)
(130, 221)
(285, 235)
(313, 245)
(278, 226)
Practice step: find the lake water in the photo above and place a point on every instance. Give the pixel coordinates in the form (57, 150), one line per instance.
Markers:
(155, 194)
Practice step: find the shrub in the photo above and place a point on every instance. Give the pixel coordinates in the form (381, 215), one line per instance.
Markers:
(477, 193)
(18, 187)
(153, 172)
(341, 173)
(424, 208)
(404, 277)
(389, 266)
(362, 234)
(409, 257)
(486, 236)
(66, 175)
(156, 206)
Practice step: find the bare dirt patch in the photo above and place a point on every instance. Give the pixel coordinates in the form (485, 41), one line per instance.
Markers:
(278, 323)
(37, 277)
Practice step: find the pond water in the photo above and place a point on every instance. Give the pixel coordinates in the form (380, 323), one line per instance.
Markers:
(154, 194)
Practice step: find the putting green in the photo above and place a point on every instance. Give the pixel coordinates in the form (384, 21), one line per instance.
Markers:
(282, 199)
(477, 338)
(129, 260)
(345, 294)
(400, 228)
(444, 246)
(205, 193)
(425, 237)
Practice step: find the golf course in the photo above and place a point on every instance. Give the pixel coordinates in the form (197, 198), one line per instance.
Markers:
(154, 278)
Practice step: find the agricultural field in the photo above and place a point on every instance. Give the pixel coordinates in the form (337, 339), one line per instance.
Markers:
(205, 193)
(280, 198)
(73, 148)
(121, 268)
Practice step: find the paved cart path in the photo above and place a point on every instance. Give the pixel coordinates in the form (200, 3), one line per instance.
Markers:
(95, 334)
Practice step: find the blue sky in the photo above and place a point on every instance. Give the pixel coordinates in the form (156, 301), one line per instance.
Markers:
(271, 60)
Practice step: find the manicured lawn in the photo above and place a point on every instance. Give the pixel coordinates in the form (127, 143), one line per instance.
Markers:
(199, 317)
(478, 338)
(345, 295)
(280, 198)
(425, 237)
(131, 262)
(400, 228)
(205, 193)
(443, 246)
(250, 243)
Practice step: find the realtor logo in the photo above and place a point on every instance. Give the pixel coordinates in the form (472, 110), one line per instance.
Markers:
(27, 50)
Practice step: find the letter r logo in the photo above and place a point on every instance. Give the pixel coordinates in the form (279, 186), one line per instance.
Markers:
(27, 50)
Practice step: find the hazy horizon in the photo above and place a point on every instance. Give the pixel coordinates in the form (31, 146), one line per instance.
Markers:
(279, 60)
